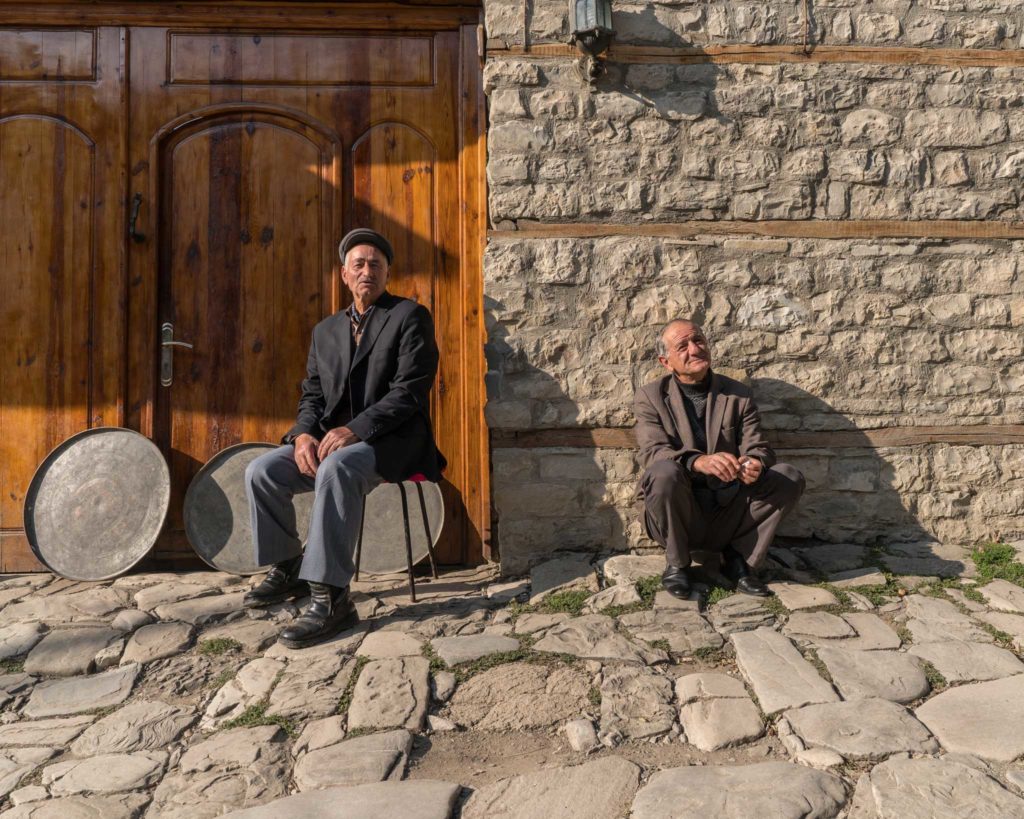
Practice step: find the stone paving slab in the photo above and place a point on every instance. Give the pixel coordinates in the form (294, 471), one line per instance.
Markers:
(807, 624)
(1012, 624)
(371, 758)
(887, 675)
(311, 689)
(157, 641)
(595, 637)
(628, 569)
(378, 645)
(602, 789)
(250, 685)
(569, 571)
(862, 729)
(19, 638)
(796, 596)
(684, 630)
(780, 790)
(118, 806)
(171, 591)
(455, 650)
(531, 623)
(58, 732)
(520, 696)
(929, 558)
(857, 577)
(780, 676)
(1002, 595)
(253, 635)
(829, 558)
(66, 652)
(57, 698)
(872, 634)
(106, 773)
(199, 611)
(983, 719)
(391, 693)
(18, 763)
(740, 612)
(958, 661)
(618, 595)
(140, 726)
(931, 620)
(319, 734)
(708, 685)
(418, 799)
(931, 789)
(721, 722)
(636, 703)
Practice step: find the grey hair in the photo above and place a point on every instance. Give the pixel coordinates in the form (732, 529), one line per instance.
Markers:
(659, 343)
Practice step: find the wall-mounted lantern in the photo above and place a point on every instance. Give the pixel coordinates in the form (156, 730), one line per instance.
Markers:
(591, 24)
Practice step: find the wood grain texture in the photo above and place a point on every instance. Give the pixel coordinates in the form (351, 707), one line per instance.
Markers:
(61, 275)
(774, 54)
(53, 55)
(249, 187)
(424, 15)
(623, 438)
(792, 229)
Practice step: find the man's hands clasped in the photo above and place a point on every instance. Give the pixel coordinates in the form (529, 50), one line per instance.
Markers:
(309, 454)
(727, 467)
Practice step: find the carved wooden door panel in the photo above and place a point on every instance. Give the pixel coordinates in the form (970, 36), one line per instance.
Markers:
(62, 265)
(253, 154)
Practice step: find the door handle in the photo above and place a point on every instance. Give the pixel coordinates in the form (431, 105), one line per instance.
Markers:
(167, 345)
(134, 218)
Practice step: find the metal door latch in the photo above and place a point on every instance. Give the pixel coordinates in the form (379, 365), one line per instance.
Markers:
(167, 345)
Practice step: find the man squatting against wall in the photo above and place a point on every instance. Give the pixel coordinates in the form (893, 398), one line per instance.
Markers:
(710, 480)
(364, 418)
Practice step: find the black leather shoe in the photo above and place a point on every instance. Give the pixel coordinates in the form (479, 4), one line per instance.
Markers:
(736, 569)
(281, 583)
(329, 612)
(676, 582)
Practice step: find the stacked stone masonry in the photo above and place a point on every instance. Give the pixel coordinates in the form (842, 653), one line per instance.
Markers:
(914, 23)
(833, 334)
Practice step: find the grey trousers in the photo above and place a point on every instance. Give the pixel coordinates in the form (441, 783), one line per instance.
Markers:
(677, 521)
(343, 479)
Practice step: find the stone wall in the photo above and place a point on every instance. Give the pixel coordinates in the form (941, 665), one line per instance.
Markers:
(833, 334)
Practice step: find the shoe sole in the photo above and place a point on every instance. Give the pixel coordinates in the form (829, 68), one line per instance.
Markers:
(347, 623)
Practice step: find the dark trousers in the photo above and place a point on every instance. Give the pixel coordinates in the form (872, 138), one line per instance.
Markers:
(681, 519)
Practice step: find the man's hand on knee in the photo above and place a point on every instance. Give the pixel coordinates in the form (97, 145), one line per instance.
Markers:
(723, 465)
(336, 439)
(305, 455)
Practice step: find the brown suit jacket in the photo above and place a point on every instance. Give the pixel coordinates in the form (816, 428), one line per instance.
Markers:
(733, 422)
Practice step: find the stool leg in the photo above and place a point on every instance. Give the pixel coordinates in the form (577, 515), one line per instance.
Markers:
(408, 541)
(359, 543)
(426, 529)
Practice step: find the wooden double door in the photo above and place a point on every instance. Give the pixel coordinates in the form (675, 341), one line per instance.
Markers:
(191, 183)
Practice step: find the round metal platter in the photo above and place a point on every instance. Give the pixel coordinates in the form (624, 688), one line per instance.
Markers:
(97, 503)
(383, 549)
(217, 510)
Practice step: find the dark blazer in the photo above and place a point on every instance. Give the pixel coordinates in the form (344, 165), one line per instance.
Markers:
(380, 391)
(733, 422)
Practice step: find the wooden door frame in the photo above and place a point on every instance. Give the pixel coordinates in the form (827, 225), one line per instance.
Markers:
(325, 18)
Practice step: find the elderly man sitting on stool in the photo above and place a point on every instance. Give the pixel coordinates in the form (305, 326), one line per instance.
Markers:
(710, 481)
(364, 418)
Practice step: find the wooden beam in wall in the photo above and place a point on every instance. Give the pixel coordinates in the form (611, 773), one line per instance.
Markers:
(774, 54)
(622, 438)
(794, 229)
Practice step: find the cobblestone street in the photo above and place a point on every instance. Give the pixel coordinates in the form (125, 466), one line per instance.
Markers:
(581, 691)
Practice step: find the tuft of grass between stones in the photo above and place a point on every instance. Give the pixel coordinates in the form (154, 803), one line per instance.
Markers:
(256, 715)
(1001, 637)
(350, 687)
(718, 594)
(845, 603)
(223, 678)
(812, 657)
(774, 606)
(934, 676)
(708, 654)
(218, 646)
(998, 561)
(903, 633)
(661, 644)
(570, 601)
(879, 593)
(647, 588)
(525, 653)
(12, 665)
(594, 695)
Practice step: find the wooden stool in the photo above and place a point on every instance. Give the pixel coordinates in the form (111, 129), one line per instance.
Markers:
(417, 479)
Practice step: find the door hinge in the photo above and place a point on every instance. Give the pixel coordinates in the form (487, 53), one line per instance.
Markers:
(481, 43)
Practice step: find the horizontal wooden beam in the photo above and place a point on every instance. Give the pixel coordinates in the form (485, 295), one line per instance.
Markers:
(622, 438)
(291, 16)
(774, 54)
(793, 229)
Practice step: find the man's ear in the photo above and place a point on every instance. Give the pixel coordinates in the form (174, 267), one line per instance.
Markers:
(663, 360)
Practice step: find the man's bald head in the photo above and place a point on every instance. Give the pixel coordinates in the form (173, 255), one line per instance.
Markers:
(684, 351)
(676, 322)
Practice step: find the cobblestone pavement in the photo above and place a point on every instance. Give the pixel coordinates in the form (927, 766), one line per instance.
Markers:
(581, 691)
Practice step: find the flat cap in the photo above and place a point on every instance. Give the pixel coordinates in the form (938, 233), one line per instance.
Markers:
(365, 236)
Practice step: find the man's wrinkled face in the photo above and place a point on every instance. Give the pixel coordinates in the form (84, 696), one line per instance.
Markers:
(688, 354)
(365, 272)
